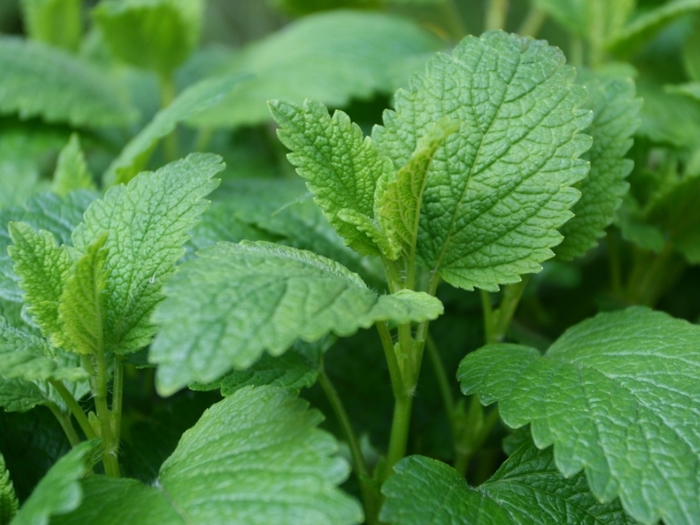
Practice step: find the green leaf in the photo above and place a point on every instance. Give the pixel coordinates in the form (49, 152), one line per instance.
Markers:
(615, 111)
(689, 89)
(332, 57)
(40, 81)
(147, 222)
(628, 383)
(668, 117)
(255, 457)
(296, 369)
(8, 499)
(42, 267)
(642, 28)
(400, 201)
(260, 296)
(192, 101)
(55, 22)
(72, 172)
(527, 489)
(59, 491)
(499, 188)
(341, 168)
(157, 35)
(81, 307)
(691, 53)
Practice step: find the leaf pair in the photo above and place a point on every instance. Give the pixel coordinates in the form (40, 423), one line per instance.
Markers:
(483, 149)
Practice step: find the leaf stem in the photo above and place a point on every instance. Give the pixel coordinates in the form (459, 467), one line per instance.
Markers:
(496, 14)
(399, 430)
(370, 495)
(167, 95)
(74, 408)
(442, 381)
(648, 288)
(454, 20)
(533, 21)
(496, 322)
(117, 396)
(65, 423)
(390, 355)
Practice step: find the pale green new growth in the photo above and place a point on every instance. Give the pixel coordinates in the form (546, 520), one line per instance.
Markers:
(331, 57)
(8, 499)
(260, 296)
(615, 119)
(400, 198)
(256, 458)
(527, 489)
(81, 308)
(54, 22)
(148, 222)
(42, 267)
(617, 395)
(341, 168)
(72, 172)
(152, 34)
(498, 190)
(40, 81)
(195, 99)
(59, 491)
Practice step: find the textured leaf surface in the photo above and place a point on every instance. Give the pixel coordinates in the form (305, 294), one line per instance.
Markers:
(59, 492)
(194, 100)
(8, 499)
(527, 489)
(255, 457)
(331, 57)
(616, 395)
(340, 165)
(72, 172)
(39, 81)
(157, 35)
(54, 22)
(500, 187)
(235, 301)
(615, 119)
(147, 222)
(81, 307)
(643, 28)
(42, 267)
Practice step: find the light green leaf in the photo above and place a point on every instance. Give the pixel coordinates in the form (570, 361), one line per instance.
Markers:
(499, 188)
(55, 22)
(42, 267)
(628, 384)
(642, 28)
(157, 35)
(82, 303)
(26, 356)
(8, 499)
(147, 222)
(72, 172)
(400, 202)
(634, 228)
(341, 168)
(526, 490)
(256, 457)
(192, 101)
(668, 117)
(59, 491)
(615, 119)
(40, 81)
(689, 89)
(331, 57)
(235, 301)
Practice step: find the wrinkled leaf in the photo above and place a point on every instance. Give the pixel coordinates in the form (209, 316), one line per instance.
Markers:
(8, 499)
(72, 172)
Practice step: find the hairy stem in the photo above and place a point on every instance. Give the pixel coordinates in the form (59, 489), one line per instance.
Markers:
(65, 423)
(117, 397)
(533, 21)
(370, 495)
(75, 409)
(496, 14)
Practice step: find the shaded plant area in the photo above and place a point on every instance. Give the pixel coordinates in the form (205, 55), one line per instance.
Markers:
(349, 261)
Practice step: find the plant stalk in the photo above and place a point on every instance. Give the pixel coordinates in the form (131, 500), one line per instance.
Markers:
(533, 21)
(111, 447)
(167, 95)
(65, 423)
(74, 408)
(496, 14)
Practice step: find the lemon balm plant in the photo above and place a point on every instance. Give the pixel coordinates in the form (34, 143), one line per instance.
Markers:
(495, 157)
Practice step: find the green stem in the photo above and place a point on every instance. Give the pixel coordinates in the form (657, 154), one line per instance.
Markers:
(65, 423)
(533, 21)
(496, 14)
(576, 51)
(167, 95)
(370, 494)
(74, 408)
(399, 430)
(489, 320)
(117, 396)
(442, 380)
(496, 322)
(649, 286)
(390, 355)
(454, 20)
(109, 458)
(203, 139)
